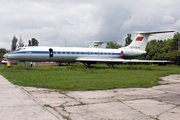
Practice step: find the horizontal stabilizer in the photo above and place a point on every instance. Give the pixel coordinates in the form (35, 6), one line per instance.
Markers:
(142, 32)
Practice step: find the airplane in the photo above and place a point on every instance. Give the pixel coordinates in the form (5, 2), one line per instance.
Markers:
(87, 56)
(97, 44)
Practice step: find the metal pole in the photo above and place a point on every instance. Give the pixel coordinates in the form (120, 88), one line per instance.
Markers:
(65, 42)
(178, 44)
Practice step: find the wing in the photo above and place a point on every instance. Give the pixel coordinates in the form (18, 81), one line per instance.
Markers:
(115, 60)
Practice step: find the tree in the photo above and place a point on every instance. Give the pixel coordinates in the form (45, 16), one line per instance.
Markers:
(33, 42)
(176, 39)
(113, 45)
(128, 40)
(14, 41)
(161, 50)
(2, 52)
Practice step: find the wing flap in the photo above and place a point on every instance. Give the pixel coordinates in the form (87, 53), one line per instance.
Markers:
(115, 60)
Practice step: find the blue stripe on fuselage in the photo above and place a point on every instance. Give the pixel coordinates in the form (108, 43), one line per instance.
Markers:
(19, 52)
(29, 52)
(40, 52)
(64, 52)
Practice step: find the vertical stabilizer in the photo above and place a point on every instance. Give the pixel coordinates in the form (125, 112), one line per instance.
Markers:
(140, 41)
(97, 44)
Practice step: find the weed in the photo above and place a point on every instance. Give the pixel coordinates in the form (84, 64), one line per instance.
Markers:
(119, 101)
(81, 103)
(62, 106)
(47, 106)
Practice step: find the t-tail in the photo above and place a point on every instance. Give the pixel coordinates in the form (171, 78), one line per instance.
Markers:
(140, 41)
(138, 45)
(97, 44)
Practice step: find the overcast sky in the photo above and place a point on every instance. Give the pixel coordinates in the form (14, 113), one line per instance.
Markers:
(81, 21)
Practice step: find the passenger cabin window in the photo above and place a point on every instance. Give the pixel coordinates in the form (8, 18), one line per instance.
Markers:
(50, 52)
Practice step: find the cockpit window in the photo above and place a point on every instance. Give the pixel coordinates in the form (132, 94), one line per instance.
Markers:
(20, 49)
(23, 48)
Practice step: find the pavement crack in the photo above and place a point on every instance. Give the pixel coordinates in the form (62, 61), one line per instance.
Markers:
(64, 116)
(165, 111)
(134, 109)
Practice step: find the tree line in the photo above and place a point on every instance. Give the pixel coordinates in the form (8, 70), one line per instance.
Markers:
(2, 52)
(163, 50)
(15, 45)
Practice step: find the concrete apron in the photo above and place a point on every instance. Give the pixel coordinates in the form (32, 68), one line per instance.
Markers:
(159, 102)
(16, 104)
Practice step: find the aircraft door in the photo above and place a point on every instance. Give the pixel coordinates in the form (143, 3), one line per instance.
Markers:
(50, 52)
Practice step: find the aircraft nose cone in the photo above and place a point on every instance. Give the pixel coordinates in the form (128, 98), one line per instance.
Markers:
(5, 55)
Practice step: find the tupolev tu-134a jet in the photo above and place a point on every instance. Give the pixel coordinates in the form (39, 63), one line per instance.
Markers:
(85, 55)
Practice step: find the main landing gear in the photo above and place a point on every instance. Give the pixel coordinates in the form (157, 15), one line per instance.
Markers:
(62, 64)
(25, 66)
(110, 65)
(87, 64)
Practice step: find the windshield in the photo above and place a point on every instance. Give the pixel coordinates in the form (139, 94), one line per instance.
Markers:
(18, 49)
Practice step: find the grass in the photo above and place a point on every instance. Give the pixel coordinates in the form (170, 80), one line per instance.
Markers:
(79, 77)
(47, 106)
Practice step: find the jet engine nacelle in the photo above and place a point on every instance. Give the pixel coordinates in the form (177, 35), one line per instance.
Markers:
(132, 53)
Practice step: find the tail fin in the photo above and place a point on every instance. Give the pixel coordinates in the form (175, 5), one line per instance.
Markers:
(141, 40)
(97, 44)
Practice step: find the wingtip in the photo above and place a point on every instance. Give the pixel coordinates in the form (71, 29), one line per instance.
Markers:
(170, 61)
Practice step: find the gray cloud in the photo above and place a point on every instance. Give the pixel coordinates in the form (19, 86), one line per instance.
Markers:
(51, 21)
